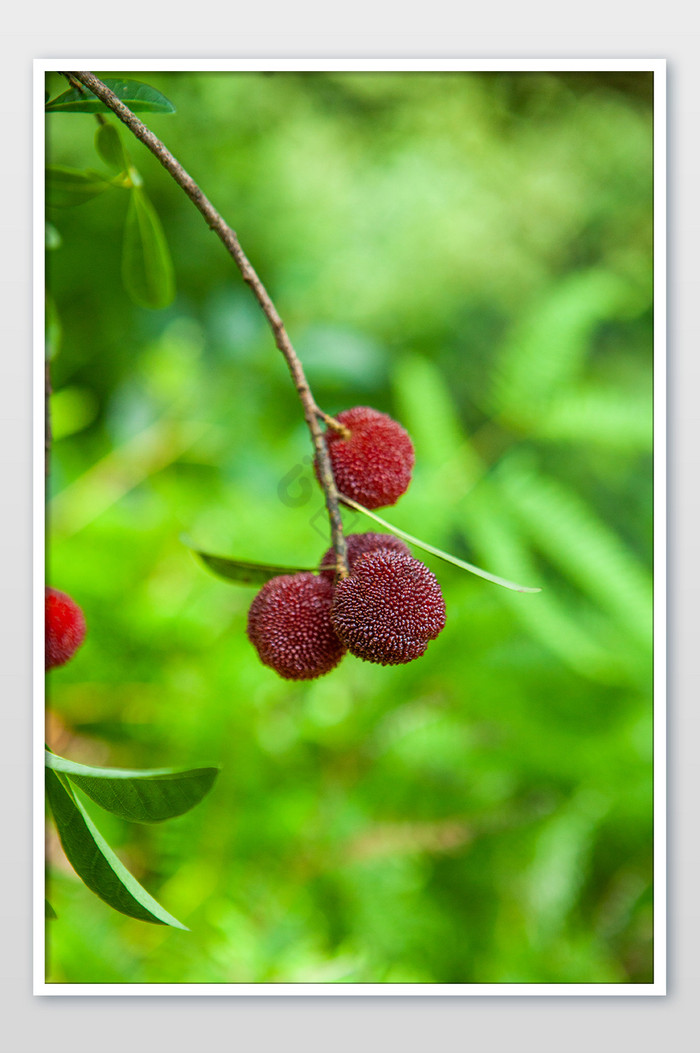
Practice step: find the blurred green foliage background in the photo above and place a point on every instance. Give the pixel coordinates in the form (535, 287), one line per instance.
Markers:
(471, 253)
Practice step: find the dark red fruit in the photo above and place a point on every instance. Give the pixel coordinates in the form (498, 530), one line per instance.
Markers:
(65, 628)
(357, 545)
(389, 608)
(373, 464)
(289, 626)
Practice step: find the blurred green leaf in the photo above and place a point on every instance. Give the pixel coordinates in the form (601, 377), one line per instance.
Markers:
(110, 147)
(139, 796)
(582, 545)
(244, 572)
(52, 237)
(548, 346)
(600, 417)
(147, 269)
(49, 912)
(552, 621)
(66, 187)
(139, 97)
(561, 859)
(428, 409)
(94, 861)
(72, 409)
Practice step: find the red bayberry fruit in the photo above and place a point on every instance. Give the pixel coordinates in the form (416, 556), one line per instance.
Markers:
(388, 609)
(357, 545)
(289, 626)
(65, 627)
(373, 464)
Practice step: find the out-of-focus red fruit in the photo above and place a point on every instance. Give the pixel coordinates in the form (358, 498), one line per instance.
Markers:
(65, 628)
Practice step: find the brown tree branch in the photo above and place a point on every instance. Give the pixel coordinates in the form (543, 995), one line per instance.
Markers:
(215, 221)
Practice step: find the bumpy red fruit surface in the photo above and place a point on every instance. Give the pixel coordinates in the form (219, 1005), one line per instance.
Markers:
(357, 545)
(373, 464)
(289, 626)
(389, 608)
(65, 628)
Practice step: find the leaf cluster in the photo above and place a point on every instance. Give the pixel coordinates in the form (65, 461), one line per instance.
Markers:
(147, 268)
(137, 796)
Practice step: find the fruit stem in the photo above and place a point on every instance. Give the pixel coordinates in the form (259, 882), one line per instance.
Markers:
(230, 240)
(333, 424)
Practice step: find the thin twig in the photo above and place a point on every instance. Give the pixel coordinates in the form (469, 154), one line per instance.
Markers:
(81, 90)
(215, 221)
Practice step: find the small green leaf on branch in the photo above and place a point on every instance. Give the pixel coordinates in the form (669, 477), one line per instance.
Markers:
(244, 572)
(139, 97)
(110, 147)
(138, 796)
(147, 268)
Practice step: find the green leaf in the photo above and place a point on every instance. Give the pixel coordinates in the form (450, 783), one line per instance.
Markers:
(438, 551)
(550, 620)
(147, 269)
(581, 544)
(109, 146)
(94, 861)
(561, 858)
(49, 912)
(428, 412)
(600, 417)
(244, 572)
(546, 351)
(139, 97)
(66, 187)
(72, 409)
(139, 796)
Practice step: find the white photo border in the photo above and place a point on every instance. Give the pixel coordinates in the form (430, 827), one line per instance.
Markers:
(655, 66)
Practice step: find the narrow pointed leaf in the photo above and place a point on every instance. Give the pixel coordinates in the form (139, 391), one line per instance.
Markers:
(139, 97)
(66, 187)
(94, 861)
(147, 269)
(139, 796)
(438, 551)
(49, 912)
(244, 572)
(109, 146)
